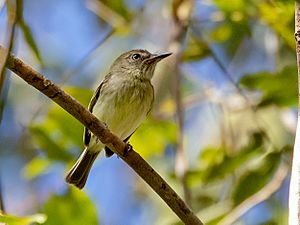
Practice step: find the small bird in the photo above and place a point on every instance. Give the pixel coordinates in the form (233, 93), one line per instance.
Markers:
(122, 101)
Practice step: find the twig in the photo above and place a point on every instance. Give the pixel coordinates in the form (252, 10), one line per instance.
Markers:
(258, 197)
(2, 208)
(181, 15)
(294, 194)
(133, 159)
(10, 30)
(66, 75)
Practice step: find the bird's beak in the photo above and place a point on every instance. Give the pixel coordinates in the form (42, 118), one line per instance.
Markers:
(160, 56)
(157, 57)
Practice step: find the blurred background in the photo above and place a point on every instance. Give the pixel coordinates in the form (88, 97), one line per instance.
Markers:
(220, 132)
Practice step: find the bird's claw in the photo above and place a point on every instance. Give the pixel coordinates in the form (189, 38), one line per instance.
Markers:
(127, 149)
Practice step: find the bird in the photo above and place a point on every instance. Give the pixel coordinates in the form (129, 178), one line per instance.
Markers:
(122, 102)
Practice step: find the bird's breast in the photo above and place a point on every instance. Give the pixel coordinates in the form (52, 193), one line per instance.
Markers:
(123, 105)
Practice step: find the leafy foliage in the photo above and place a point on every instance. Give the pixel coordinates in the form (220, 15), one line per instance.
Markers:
(217, 164)
(25, 220)
(60, 132)
(27, 31)
(279, 88)
(196, 49)
(252, 181)
(119, 6)
(74, 207)
(280, 16)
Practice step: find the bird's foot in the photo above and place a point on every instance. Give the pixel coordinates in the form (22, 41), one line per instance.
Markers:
(105, 125)
(127, 149)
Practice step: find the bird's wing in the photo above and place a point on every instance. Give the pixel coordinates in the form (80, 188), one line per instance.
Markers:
(94, 99)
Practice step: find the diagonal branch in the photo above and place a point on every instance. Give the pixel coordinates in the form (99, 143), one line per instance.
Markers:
(133, 159)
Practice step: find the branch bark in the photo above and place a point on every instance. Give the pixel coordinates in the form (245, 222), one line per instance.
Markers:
(133, 159)
(294, 194)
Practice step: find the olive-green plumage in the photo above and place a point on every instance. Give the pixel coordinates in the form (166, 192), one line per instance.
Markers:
(122, 101)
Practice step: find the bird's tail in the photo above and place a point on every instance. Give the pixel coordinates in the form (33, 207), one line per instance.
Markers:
(78, 174)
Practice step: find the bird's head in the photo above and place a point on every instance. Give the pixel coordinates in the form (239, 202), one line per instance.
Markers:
(139, 63)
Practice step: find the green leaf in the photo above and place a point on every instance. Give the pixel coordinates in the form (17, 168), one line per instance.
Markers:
(82, 95)
(234, 24)
(120, 7)
(217, 164)
(72, 208)
(221, 33)
(153, 136)
(27, 31)
(279, 88)
(53, 150)
(195, 50)
(253, 180)
(35, 167)
(25, 220)
(280, 17)
(233, 6)
(60, 132)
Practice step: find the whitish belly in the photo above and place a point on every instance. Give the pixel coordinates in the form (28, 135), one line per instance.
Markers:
(124, 111)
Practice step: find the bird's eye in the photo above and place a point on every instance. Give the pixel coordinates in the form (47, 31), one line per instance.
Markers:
(136, 56)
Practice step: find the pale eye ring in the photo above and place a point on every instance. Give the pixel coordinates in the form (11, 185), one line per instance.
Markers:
(136, 56)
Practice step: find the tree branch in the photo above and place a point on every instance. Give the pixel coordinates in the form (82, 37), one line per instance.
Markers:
(294, 194)
(133, 159)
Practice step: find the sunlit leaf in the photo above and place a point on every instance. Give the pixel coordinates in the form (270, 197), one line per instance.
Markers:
(195, 50)
(153, 136)
(216, 164)
(74, 208)
(167, 107)
(233, 6)
(280, 16)
(279, 88)
(24, 220)
(221, 33)
(35, 167)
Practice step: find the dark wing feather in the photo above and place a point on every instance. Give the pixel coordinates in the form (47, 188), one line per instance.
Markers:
(86, 132)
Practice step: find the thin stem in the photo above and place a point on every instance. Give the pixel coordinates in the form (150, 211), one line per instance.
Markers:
(10, 31)
(181, 22)
(68, 73)
(2, 208)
